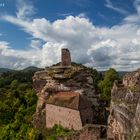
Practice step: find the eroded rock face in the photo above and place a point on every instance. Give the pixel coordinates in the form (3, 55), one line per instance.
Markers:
(124, 119)
(61, 79)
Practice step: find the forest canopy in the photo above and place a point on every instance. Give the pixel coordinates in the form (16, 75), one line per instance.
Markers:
(18, 103)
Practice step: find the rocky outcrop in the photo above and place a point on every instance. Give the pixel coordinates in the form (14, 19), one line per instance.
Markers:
(124, 119)
(61, 79)
(89, 132)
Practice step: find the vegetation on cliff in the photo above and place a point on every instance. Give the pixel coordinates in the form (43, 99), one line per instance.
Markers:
(18, 103)
(106, 84)
(58, 131)
(17, 106)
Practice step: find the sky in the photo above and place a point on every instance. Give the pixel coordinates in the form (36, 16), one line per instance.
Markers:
(101, 34)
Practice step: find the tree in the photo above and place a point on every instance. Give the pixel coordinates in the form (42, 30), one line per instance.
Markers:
(17, 106)
(106, 84)
(96, 76)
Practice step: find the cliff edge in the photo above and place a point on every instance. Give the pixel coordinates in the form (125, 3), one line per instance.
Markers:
(67, 97)
(124, 119)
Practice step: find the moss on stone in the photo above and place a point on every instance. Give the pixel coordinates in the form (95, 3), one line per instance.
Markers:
(134, 88)
(50, 72)
(69, 73)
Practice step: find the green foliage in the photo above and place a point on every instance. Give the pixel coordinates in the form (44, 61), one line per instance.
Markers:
(17, 105)
(106, 84)
(133, 88)
(96, 76)
(58, 131)
(21, 76)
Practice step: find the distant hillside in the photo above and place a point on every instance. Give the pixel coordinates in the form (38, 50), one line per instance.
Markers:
(121, 73)
(5, 70)
(32, 68)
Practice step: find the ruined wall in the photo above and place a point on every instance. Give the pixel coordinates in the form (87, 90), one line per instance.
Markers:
(86, 116)
(60, 78)
(68, 118)
(65, 58)
(45, 85)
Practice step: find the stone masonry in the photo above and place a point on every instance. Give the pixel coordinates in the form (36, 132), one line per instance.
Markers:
(65, 57)
(69, 109)
(64, 77)
(66, 117)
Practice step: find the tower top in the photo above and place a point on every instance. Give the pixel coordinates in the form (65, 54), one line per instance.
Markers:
(65, 57)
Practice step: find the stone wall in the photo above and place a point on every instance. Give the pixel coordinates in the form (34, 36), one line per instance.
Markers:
(45, 86)
(65, 58)
(66, 117)
(86, 116)
(59, 78)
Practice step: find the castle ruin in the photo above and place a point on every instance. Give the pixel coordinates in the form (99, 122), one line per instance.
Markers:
(65, 57)
(68, 109)
(65, 93)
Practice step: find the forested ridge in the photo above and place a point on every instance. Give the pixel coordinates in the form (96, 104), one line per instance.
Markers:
(18, 104)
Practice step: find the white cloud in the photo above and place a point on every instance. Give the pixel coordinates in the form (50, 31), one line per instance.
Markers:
(24, 9)
(64, 14)
(137, 5)
(99, 47)
(3, 46)
(36, 44)
(110, 5)
(135, 18)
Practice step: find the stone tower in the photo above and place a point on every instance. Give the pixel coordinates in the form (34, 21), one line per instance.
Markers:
(65, 57)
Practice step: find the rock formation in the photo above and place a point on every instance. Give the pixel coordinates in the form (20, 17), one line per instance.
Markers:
(64, 77)
(124, 119)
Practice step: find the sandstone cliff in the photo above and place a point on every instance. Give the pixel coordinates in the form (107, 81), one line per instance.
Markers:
(59, 79)
(124, 119)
